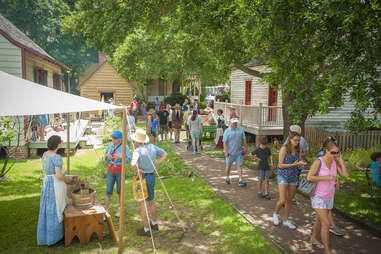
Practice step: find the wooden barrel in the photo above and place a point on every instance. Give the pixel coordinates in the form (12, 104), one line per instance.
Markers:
(70, 188)
(83, 200)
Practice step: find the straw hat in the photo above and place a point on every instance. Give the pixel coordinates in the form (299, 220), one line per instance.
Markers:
(177, 105)
(296, 128)
(140, 136)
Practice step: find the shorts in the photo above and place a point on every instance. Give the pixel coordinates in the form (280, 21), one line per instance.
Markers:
(320, 203)
(150, 179)
(195, 135)
(238, 159)
(287, 181)
(170, 125)
(163, 128)
(154, 133)
(263, 174)
(111, 179)
(43, 119)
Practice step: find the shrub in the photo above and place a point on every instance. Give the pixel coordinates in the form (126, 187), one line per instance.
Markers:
(150, 105)
(175, 98)
(203, 105)
(140, 99)
(223, 97)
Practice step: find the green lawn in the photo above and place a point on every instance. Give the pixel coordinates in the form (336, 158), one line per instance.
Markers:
(212, 225)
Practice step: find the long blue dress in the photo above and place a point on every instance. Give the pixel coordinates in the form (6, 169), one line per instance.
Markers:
(49, 229)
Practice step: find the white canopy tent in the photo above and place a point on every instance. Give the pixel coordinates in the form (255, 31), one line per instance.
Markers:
(20, 97)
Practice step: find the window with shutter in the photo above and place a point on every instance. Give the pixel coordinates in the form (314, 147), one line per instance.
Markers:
(248, 92)
(273, 101)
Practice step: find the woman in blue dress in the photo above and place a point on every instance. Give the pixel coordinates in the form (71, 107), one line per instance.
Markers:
(50, 228)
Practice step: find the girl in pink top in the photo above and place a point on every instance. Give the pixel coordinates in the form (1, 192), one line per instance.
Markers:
(322, 200)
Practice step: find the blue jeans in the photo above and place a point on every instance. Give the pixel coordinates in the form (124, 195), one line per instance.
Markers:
(287, 181)
(111, 179)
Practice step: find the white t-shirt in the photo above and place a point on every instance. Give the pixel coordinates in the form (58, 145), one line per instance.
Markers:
(170, 115)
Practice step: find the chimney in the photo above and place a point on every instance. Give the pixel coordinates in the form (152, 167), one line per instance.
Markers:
(102, 57)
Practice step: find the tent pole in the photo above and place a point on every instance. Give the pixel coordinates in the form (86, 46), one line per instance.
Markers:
(124, 144)
(68, 143)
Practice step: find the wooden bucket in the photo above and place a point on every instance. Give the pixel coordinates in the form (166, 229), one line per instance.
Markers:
(83, 200)
(72, 186)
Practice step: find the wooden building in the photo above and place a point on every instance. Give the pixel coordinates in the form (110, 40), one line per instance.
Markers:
(103, 81)
(22, 57)
(261, 105)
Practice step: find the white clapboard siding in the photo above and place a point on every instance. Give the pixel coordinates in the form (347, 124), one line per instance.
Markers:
(259, 89)
(10, 58)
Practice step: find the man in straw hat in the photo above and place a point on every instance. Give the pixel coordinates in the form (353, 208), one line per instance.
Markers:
(113, 157)
(234, 138)
(177, 121)
(144, 161)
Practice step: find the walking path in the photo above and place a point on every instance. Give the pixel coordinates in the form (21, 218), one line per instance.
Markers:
(259, 211)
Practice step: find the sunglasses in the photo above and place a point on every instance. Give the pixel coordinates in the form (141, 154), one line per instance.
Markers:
(334, 153)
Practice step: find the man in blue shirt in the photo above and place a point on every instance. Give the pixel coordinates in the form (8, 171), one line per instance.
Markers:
(233, 139)
(113, 157)
(144, 162)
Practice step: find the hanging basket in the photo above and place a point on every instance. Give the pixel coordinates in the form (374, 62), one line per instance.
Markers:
(136, 187)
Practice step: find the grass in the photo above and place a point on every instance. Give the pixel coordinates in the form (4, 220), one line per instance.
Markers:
(212, 225)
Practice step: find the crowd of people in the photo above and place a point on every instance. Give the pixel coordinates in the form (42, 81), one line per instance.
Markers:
(146, 156)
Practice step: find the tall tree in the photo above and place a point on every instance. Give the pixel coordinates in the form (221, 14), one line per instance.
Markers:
(318, 51)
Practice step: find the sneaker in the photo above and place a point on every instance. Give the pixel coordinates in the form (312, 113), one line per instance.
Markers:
(267, 196)
(155, 227)
(289, 224)
(276, 219)
(142, 232)
(198, 152)
(117, 214)
(336, 231)
(241, 183)
(227, 180)
(260, 195)
(193, 153)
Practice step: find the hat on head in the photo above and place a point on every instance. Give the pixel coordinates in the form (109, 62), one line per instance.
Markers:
(162, 108)
(140, 136)
(117, 134)
(296, 128)
(234, 120)
(177, 105)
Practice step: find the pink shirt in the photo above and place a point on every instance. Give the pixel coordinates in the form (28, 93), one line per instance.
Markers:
(326, 189)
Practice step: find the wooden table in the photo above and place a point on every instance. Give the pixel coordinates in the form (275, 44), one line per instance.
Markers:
(83, 222)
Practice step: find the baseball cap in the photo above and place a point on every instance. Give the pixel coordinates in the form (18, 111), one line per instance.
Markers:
(234, 120)
(117, 134)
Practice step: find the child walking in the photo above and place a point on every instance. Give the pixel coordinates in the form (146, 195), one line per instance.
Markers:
(155, 127)
(263, 154)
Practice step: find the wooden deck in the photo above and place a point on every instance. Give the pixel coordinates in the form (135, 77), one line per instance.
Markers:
(258, 120)
(77, 130)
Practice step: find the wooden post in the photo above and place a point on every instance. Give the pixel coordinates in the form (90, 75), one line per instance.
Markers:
(68, 143)
(260, 115)
(124, 143)
(199, 91)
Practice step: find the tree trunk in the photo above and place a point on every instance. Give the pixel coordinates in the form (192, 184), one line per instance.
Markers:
(288, 119)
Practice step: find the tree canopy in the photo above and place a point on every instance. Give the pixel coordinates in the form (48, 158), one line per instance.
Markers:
(319, 51)
(41, 21)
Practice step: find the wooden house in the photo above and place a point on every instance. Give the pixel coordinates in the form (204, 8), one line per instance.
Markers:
(104, 82)
(260, 106)
(22, 57)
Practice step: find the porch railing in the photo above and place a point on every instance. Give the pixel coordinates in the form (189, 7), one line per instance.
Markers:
(261, 116)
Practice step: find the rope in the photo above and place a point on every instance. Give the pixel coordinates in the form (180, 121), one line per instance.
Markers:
(141, 187)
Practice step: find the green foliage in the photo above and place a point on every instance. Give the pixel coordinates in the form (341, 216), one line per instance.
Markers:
(318, 51)
(140, 99)
(223, 97)
(203, 105)
(175, 98)
(7, 131)
(150, 105)
(112, 123)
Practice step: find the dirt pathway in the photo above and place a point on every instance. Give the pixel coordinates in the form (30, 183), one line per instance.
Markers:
(356, 240)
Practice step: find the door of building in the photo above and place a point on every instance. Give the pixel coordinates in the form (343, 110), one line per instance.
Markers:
(248, 92)
(273, 101)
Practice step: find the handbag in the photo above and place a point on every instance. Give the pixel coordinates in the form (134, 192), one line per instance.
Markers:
(308, 187)
(136, 186)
